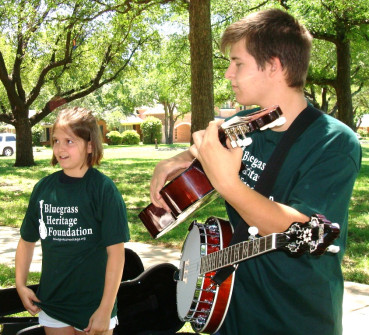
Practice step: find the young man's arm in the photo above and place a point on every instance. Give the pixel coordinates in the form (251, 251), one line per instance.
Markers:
(23, 259)
(166, 170)
(100, 320)
(222, 166)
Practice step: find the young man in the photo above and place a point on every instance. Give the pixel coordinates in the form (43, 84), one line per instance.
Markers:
(276, 293)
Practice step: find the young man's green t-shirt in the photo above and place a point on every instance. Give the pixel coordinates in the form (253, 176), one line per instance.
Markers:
(276, 293)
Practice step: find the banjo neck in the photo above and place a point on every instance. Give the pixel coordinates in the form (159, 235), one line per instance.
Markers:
(237, 253)
(203, 301)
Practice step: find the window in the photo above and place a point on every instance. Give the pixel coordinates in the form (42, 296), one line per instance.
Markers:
(123, 128)
(227, 105)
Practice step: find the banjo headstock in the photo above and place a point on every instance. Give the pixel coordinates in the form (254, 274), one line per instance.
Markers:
(314, 237)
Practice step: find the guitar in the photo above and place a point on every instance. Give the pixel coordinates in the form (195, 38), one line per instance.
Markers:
(192, 189)
(203, 303)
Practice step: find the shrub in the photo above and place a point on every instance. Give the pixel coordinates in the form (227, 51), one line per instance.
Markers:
(130, 137)
(151, 130)
(36, 135)
(362, 132)
(114, 137)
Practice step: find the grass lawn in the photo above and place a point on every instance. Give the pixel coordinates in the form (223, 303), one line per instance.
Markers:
(131, 167)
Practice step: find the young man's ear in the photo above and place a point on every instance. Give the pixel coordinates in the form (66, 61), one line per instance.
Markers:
(275, 68)
(275, 65)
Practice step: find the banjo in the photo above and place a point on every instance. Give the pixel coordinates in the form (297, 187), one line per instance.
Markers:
(192, 189)
(203, 303)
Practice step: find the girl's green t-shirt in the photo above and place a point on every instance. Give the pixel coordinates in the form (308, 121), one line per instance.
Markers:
(76, 222)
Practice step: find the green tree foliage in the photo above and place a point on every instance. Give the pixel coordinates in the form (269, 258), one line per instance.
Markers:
(339, 71)
(55, 52)
(163, 77)
(151, 130)
(112, 118)
(341, 28)
(36, 135)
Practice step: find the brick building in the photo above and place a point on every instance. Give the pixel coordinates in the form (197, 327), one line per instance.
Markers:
(182, 126)
(181, 131)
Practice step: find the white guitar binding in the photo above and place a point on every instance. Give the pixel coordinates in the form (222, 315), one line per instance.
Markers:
(238, 127)
(277, 123)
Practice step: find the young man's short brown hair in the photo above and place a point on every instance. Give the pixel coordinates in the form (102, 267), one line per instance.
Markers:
(274, 33)
(83, 124)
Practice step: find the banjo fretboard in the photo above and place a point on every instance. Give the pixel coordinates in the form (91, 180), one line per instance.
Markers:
(237, 253)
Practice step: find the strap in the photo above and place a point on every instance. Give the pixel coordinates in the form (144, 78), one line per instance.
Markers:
(268, 177)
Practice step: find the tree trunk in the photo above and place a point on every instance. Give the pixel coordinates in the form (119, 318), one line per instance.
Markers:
(325, 102)
(168, 122)
(24, 153)
(171, 123)
(166, 116)
(202, 95)
(343, 83)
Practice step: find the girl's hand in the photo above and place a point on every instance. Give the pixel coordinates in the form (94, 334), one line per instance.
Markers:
(99, 323)
(28, 298)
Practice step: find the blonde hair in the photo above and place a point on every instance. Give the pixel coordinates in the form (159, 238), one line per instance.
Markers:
(84, 125)
(274, 33)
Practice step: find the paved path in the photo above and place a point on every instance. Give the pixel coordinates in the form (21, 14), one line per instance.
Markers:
(356, 297)
(149, 254)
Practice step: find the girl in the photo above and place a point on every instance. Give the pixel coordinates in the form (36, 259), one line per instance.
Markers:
(81, 219)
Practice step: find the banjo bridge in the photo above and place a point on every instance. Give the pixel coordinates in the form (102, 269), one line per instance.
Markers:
(183, 271)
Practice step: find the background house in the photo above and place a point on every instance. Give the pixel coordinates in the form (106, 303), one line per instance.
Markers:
(7, 128)
(47, 133)
(364, 125)
(181, 131)
(182, 127)
(131, 122)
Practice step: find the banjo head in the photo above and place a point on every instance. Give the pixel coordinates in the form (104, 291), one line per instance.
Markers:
(199, 300)
(189, 272)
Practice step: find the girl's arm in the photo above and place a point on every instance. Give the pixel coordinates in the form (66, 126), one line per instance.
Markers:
(99, 321)
(23, 259)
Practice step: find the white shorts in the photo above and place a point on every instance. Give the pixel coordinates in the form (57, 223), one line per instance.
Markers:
(48, 321)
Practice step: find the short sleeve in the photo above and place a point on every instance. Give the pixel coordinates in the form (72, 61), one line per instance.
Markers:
(29, 230)
(114, 216)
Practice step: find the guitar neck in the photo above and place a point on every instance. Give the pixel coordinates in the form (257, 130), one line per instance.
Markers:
(237, 253)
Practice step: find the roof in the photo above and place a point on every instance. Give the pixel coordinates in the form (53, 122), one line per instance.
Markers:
(158, 109)
(130, 119)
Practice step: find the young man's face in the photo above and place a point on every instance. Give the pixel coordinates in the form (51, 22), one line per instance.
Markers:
(250, 83)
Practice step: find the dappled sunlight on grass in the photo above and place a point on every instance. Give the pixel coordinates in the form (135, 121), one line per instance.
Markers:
(131, 169)
(7, 276)
(355, 265)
